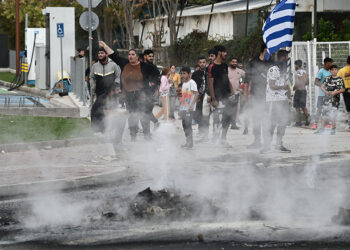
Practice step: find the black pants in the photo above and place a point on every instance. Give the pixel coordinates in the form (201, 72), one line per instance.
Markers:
(187, 117)
(258, 111)
(138, 108)
(198, 114)
(222, 118)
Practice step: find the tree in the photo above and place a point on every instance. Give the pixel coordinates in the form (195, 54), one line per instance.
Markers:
(155, 8)
(170, 7)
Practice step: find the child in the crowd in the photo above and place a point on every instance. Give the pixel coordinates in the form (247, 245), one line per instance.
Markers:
(333, 86)
(188, 104)
(164, 94)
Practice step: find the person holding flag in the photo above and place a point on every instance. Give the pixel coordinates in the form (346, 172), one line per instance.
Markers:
(278, 33)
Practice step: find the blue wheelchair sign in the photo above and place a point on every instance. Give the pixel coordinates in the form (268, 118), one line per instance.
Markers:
(60, 30)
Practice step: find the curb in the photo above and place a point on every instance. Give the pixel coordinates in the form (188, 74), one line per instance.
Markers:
(18, 147)
(34, 91)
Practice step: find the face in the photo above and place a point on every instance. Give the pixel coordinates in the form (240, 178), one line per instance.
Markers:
(132, 56)
(82, 53)
(185, 76)
(223, 54)
(202, 64)
(334, 71)
(296, 66)
(212, 57)
(149, 57)
(328, 65)
(172, 69)
(234, 63)
(102, 55)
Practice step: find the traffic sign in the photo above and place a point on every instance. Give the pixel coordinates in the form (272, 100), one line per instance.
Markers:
(84, 21)
(85, 3)
(60, 30)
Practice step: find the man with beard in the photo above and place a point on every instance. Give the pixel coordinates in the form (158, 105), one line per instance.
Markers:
(277, 98)
(148, 56)
(256, 78)
(200, 78)
(137, 78)
(103, 75)
(236, 76)
(220, 93)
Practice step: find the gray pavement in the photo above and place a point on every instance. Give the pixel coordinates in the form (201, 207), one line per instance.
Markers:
(296, 195)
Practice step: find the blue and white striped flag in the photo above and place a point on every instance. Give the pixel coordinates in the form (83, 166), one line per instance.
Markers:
(279, 27)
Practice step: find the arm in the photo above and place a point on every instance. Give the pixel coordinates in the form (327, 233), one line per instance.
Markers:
(106, 47)
(194, 101)
(273, 86)
(211, 91)
(324, 89)
(318, 82)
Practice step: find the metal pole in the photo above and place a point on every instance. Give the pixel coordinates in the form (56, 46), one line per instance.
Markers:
(211, 13)
(61, 63)
(315, 19)
(246, 18)
(90, 35)
(17, 37)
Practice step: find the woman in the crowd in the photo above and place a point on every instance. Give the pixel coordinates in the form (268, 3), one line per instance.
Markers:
(175, 80)
(137, 79)
(164, 94)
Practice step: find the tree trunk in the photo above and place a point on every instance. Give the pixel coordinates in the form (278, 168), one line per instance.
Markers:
(170, 7)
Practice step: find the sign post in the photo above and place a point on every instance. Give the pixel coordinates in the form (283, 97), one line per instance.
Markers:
(60, 35)
(90, 36)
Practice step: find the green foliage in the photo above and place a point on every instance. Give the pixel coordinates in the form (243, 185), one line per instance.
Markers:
(15, 129)
(7, 76)
(187, 50)
(327, 32)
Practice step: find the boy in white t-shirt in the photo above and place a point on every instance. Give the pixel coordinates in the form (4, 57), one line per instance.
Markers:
(188, 104)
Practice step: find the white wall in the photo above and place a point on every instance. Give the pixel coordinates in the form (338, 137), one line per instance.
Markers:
(29, 38)
(64, 15)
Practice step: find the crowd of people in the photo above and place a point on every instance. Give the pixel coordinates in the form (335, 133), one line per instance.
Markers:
(258, 96)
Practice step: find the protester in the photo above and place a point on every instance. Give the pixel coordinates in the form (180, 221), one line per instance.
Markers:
(200, 77)
(256, 78)
(175, 81)
(301, 79)
(344, 73)
(148, 56)
(277, 94)
(137, 79)
(220, 92)
(321, 76)
(103, 76)
(188, 105)
(333, 86)
(206, 107)
(164, 94)
(236, 76)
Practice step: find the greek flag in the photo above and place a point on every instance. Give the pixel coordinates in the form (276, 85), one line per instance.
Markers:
(279, 27)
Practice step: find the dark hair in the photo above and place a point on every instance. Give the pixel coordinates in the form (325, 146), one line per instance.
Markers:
(102, 49)
(327, 59)
(333, 67)
(201, 58)
(233, 57)
(133, 50)
(141, 55)
(80, 50)
(299, 63)
(165, 71)
(212, 51)
(147, 52)
(348, 60)
(263, 47)
(282, 53)
(219, 48)
(186, 69)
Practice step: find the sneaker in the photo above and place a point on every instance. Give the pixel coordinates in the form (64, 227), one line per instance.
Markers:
(319, 131)
(314, 126)
(328, 126)
(225, 144)
(254, 145)
(283, 149)
(245, 132)
(265, 149)
(187, 146)
(234, 127)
